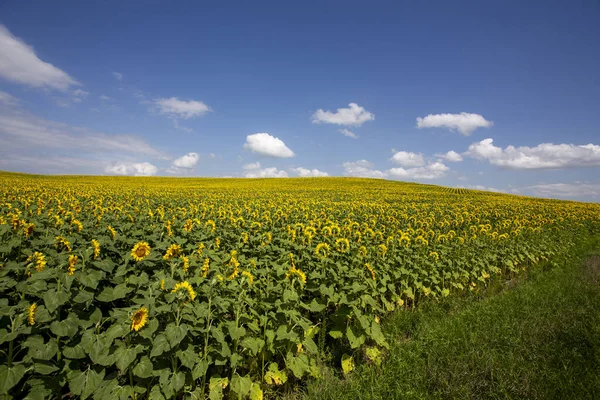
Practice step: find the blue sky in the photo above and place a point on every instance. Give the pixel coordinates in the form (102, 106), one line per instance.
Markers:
(381, 89)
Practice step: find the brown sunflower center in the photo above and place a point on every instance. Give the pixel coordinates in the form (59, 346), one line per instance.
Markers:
(140, 251)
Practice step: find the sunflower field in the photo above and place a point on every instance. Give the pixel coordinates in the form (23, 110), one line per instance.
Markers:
(239, 288)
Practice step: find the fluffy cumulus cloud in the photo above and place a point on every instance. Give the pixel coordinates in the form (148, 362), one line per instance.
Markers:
(545, 155)
(173, 107)
(465, 123)
(267, 145)
(20, 64)
(451, 156)
(567, 190)
(349, 133)
(362, 169)
(136, 169)
(407, 159)
(118, 76)
(251, 166)
(354, 115)
(187, 161)
(253, 170)
(305, 172)
(433, 170)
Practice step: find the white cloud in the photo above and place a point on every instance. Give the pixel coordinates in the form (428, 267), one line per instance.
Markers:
(545, 155)
(451, 156)
(187, 161)
(271, 172)
(349, 133)
(79, 95)
(305, 172)
(174, 107)
(8, 99)
(136, 169)
(464, 122)
(104, 97)
(118, 76)
(251, 166)
(567, 190)
(481, 187)
(267, 145)
(434, 170)
(20, 130)
(407, 159)
(20, 64)
(354, 115)
(363, 169)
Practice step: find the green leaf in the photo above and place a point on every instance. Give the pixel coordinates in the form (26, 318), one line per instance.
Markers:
(274, 376)
(91, 278)
(149, 329)
(315, 306)
(188, 357)
(177, 381)
(377, 335)
(143, 368)
(298, 365)
(83, 297)
(159, 346)
(355, 341)
(235, 332)
(216, 386)
(40, 350)
(54, 299)
(73, 353)
(84, 383)
(67, 327)
(9, 377)
(156, 394)
(256, 392)
(124, 356)
(347, 364)
(44, 367)
(199, 369)
(253, 344)
(336, 334)
(175, 334)
(240, 385)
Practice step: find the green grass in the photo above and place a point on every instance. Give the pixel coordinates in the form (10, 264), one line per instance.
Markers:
(537, 339)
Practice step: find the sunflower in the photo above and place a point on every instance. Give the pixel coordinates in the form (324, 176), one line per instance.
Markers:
(173, 251)
(249, 276)
(78, 224)
(112, 231)
(322, 250)
(96, 245)
(39, 259)
(371, 270)
(205, 267)
(72, 261)
(189, 224)
(140, 251)
(28, 229)
(434, 255)
(139, 319)
(31, 314)
(61, 242)
(185, 285)
(298, 273)
(342, 245)
(186, 263)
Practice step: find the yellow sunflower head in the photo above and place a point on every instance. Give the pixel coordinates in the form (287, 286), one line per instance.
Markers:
(140, 251)
(139, 319)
